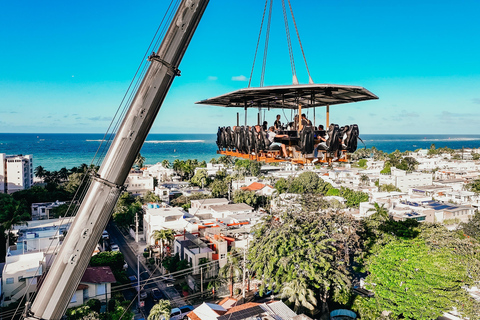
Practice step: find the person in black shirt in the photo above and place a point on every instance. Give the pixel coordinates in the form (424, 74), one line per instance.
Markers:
(277, 124)
(265, 126)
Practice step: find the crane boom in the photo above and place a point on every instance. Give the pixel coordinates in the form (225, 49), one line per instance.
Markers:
(67, 270)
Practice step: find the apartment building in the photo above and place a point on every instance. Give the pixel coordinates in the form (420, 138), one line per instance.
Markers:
(16, 172)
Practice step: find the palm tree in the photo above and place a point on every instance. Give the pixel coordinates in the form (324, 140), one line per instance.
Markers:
(63, 174)
(214, 284)
(379, 211)
(164, 236)
(40, 172)
(297, 293)
(364, 179)
(166, 164)
(231, 270)
(139, 161)
(160, 311)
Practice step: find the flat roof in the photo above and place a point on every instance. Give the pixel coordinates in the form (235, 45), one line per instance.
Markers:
(290, 96)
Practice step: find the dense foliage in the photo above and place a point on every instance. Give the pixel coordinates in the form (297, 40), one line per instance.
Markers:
(313, 248)
(416, 271)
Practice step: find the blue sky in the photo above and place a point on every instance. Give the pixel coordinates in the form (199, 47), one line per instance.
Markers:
(64, 66)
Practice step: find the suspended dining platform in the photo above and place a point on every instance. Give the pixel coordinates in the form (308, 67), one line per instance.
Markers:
(294, 97)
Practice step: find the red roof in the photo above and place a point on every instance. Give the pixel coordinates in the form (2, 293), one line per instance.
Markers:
(98, 275)
(255, 186)
(244, 306)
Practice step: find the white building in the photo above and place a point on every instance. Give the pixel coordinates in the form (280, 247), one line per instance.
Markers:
(160, 172)
(405, 180)
(16, 172)
(20, 276)
(43, 210)
(158, 218)
(138, 184)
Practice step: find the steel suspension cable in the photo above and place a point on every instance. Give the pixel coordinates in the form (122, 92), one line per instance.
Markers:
(265, 50)
(300, 42)
(290, 50)
(258, 42)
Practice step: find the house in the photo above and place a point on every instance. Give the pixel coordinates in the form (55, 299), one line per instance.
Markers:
(260, 189)
(206, 311)
(157, 218)
(405, 180)
(95, 284)
(222, 211)
(138, 184)
(20, 275)
(207, 203)
(251, 310)
(43, 210)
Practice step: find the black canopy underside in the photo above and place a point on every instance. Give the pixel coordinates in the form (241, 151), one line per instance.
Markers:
(290, 96)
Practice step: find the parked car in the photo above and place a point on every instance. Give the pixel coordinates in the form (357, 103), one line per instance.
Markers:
(157, 294)
(143, 295)
(114, 247)
(180, 313)
(265, 294)
(105, 235)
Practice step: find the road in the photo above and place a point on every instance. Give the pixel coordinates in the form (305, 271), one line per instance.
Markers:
(131, 259)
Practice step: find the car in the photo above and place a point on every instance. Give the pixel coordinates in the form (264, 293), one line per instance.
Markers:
(156, 294)
(180, 313)
(105, 235)
(143, 295)
(114, 247)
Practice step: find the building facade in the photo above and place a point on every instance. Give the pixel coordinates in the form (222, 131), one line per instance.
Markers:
(16, 172)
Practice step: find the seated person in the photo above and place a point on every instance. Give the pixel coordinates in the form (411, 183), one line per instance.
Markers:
(271, 137)
(265, 125)
(343, 142)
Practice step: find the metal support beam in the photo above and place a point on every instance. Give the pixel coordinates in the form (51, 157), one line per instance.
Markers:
(74, 255)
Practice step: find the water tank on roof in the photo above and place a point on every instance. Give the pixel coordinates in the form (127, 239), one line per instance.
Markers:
(157, 206)
(150, 206)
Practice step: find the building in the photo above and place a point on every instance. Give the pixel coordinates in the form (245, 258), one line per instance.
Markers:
(16, 172)
(405, 180)
(96, 283)
(138, 184)
(260, 189)
(157, 218)
(43, 210)
(20, 276)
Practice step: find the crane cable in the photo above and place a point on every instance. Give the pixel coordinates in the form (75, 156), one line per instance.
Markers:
(289, 42)
(300, 42)
(258, 42)
(265, 50)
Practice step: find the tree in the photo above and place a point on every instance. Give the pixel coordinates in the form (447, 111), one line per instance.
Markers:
(139, 161)
(165, 237)
(173, 263)
(299, 295)
(364, 179)
(166, 164)
(412, 280)
(94, 304)
(201, 178)
(219, 188)
(160, 311)
(112, 259)
(474, 186)
(231, 270)
(40, 172)
(12, 212)
(247, 197)
(151, 197)
(388, 188)
(472, 227)
(214, 284)
(312, 247)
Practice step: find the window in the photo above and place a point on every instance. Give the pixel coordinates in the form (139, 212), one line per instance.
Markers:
(9, 280)
(20, 278)
(74, 298)
(101, 289)
(222, 256)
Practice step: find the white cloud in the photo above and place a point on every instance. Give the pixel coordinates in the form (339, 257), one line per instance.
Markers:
(239, 78)
(212, 78)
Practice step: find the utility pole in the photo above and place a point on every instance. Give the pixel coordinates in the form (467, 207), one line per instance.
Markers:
(201, 279)
(136, 227)
(244, 269)
(138, 279)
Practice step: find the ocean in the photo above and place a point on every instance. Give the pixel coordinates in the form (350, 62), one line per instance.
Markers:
(54, 151)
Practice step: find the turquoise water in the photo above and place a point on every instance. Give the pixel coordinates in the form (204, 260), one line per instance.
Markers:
(54, 151)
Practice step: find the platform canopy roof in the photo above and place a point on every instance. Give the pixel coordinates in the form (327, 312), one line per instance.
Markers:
(290, 96)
